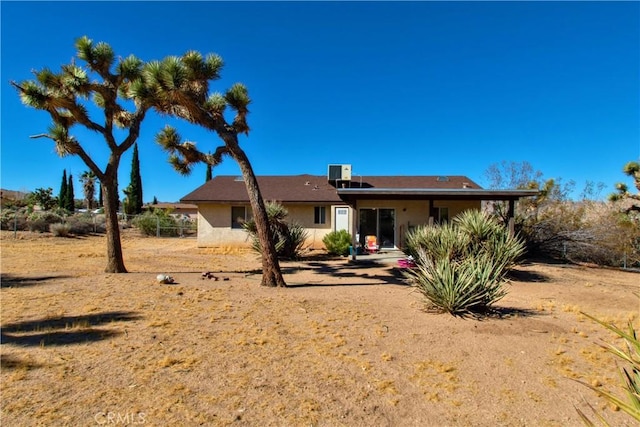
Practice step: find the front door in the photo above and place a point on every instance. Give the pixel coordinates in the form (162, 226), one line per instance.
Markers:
(380, 223)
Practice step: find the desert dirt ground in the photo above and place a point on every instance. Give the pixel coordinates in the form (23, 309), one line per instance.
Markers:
(346, 344)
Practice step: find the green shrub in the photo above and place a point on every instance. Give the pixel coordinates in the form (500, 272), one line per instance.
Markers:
(461, 267)
(289, 238)
(60, 229)
(337, 242)
(149, 221)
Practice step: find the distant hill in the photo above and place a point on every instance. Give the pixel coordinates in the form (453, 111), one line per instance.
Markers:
(12, 195)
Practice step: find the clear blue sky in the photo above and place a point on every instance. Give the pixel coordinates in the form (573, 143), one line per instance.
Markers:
(412, 88)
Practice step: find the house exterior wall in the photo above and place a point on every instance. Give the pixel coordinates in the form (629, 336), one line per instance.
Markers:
(214, 227)
(214, 224)
(457, 206)
(214, 220)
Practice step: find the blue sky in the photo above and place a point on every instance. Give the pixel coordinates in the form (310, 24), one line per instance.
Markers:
(407, 88)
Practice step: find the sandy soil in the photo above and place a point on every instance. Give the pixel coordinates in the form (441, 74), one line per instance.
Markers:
(345, 345)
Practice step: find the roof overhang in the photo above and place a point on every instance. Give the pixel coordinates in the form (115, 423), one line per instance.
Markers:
(352, 194)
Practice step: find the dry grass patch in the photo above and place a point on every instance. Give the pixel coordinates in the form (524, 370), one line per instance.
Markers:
(342, 348)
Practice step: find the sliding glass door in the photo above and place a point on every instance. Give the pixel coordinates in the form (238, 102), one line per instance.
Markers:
(380, 223)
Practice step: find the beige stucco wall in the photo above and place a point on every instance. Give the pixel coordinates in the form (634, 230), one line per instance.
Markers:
(214, 225)
(456, 206)
(214, 220)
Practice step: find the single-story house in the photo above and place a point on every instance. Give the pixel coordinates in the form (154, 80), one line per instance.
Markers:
(385, 206)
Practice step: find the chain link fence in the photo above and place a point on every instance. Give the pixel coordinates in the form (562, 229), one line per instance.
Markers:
(161, 224)
(156, 224)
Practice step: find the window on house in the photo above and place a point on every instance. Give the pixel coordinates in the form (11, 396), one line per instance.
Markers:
(319, 215)
(238, 216)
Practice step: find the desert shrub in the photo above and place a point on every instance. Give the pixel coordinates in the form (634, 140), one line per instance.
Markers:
(149, 221)
(40, 221)
(60, 229)
(10, 219)
(82, 224)
(629, 356)
(337, 242)
(461, 266)
(586, 231)
(289, 237)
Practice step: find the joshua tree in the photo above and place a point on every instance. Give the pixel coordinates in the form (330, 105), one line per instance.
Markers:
(43, 197)
(181, 89)
(631, 169)
(108, 82)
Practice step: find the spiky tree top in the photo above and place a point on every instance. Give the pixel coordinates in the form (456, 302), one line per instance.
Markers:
(180, 87)
(631, 169)
(64, 96)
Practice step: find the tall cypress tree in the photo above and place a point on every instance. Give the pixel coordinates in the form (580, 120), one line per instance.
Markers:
(71, 197)
(62, 196)
(135, 186)
(100, 202)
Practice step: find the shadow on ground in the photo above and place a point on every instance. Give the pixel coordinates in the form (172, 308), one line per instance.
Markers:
(64, 330)
(527, 276)
(359, 272)
(8, 361)
(12, 281)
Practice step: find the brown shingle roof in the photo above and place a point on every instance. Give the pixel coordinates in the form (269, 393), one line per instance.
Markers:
(312, 188)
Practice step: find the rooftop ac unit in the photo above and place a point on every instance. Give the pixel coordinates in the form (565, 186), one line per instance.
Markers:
(339, 173)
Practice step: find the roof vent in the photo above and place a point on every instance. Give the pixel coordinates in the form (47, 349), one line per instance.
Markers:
(239, 179)
(466, 185)
(443, 179)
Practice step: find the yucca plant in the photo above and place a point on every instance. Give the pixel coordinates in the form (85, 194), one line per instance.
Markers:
(436, 242)
(478, 225)
(630, 375)
(289, 237)
(462, 266)
(460, 286)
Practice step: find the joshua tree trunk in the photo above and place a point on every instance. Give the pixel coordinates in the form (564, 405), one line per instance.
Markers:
(115, 261)
(271, 274)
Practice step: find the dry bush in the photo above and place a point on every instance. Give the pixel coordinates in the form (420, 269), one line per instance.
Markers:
(60, 230)
(586, 231)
